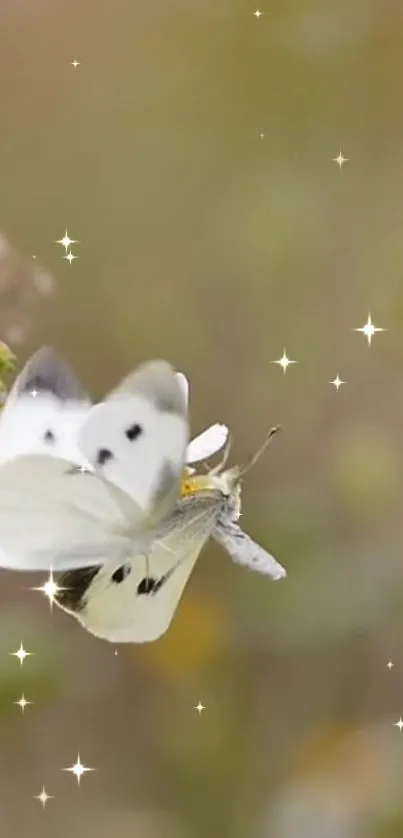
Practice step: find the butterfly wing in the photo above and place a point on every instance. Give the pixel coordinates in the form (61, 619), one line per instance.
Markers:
(207, 443)
(137, 437)
(54, 516)
(135, 602)
(44, 410)
(244, 551)
(184, 385)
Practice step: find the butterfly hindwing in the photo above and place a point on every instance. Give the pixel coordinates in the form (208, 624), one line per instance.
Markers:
(135, 602)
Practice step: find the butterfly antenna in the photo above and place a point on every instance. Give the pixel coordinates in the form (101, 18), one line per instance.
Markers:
(224, 458)
(255, 457)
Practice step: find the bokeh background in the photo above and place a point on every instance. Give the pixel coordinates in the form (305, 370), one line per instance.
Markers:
(202, 241)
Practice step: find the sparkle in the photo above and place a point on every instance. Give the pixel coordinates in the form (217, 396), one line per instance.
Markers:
(340, 159)
(22, 702)
(78, 769)
(199, 707)
(75, 63)
(34, 393)
(257, 13)
(399, 724)
(337, 382)
(21, 654)
(70, 256)
(66, 241)
(284, 362)
(369, 330)
(50, 588)
(389, 665)
(262, 136)
(43, 797)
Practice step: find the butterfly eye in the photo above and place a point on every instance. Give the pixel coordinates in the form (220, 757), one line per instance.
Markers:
(121, 573)
(134, 432)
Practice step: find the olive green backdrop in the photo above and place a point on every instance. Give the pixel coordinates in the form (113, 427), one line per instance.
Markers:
(203, 242)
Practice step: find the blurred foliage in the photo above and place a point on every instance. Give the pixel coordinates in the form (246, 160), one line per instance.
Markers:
(7, 363)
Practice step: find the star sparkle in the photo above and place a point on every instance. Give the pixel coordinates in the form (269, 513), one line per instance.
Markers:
(22, 703)
(78, 769)
(199, 707)
(43, 797)
(369, 330)
(340, 159)
(66, 241)
(70, 256)
(75, 63)
(399, 724)
(50, 588)
(389, 665)
(21, 654)
(284, 362)
(258, 13)
(337, 382)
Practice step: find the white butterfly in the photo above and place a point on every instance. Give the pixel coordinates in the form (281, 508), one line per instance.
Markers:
(112, 476)
(133, 595)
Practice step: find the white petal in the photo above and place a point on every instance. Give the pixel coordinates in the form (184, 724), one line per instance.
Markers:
(207, 443)
(184, 384)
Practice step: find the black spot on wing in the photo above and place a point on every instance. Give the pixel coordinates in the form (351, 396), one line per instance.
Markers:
(73, 586)
(121, 573)
(49, 436)
(134, 432)
(147, 585)
(103, 456)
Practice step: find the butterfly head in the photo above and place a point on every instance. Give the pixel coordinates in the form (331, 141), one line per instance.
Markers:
(227, 482)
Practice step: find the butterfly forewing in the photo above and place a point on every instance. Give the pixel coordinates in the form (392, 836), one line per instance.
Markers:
(44, 410)
(53, 515)
(137, 437)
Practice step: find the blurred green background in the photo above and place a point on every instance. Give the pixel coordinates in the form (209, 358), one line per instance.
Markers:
(203, 242)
